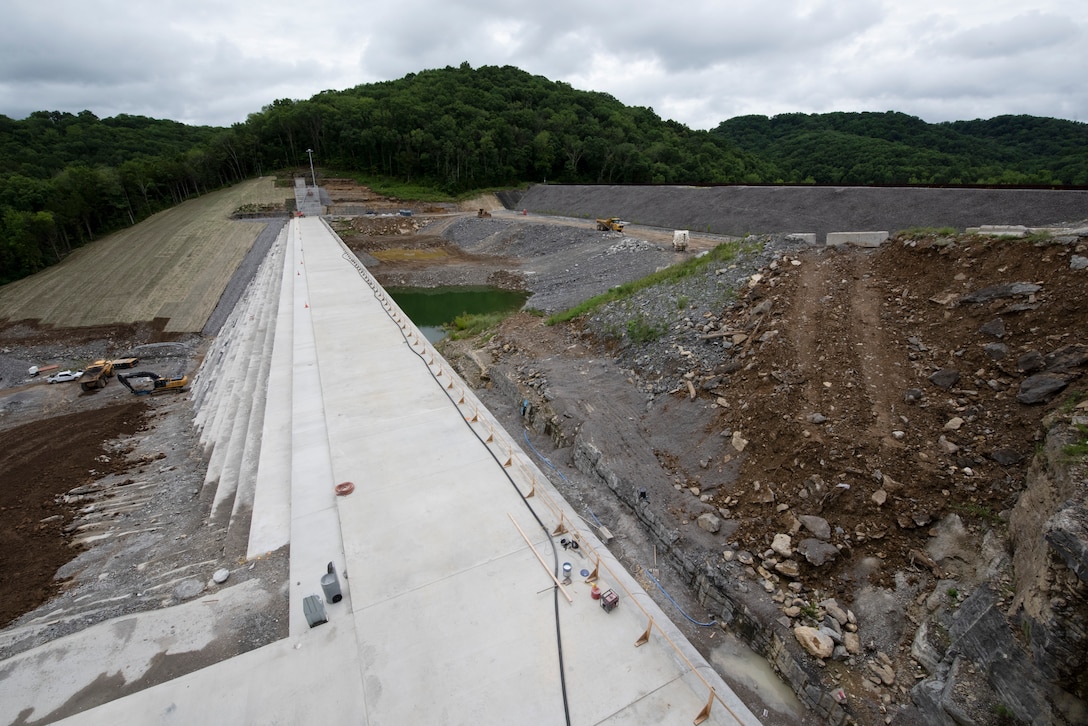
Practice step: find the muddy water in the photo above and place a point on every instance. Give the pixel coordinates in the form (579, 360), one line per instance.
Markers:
(431, 308)
(744, 667)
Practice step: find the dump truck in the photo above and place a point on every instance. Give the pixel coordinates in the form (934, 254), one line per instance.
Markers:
(612, 224)
(144, 383)
(96, 375)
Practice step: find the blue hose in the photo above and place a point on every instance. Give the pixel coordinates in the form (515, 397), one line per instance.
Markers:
(704, 625)
(525, 433)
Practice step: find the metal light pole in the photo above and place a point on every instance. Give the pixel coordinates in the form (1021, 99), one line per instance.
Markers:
(310, 153)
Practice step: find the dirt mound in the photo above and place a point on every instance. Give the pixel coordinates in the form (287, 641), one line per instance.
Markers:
(39, 463)
(819, 425)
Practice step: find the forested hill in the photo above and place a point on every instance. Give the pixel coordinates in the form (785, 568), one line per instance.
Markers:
(67, 178)
(44, 143)
(894, 148)
(463, 128)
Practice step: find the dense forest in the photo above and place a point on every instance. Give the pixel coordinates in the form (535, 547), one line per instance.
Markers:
(67, 178)
(894, 148)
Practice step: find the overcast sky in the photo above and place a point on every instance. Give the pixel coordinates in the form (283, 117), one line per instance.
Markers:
(698, 62)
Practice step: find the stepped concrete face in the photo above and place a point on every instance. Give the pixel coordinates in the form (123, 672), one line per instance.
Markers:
(452, 610)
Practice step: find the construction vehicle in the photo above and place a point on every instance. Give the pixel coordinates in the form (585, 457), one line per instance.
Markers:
(680, 240)
(612, 224)
(125, 363)
(483, 213)
(144, 383)
(96, 375)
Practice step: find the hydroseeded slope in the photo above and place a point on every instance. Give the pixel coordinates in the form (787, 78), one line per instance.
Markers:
(173, 265)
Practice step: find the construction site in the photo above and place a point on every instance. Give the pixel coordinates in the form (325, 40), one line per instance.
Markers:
(826, 479)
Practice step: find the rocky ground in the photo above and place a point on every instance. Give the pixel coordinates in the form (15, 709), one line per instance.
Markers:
(841, 434)
(102, 501)
(856, 460)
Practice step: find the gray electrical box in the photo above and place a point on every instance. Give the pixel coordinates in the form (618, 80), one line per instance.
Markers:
(330, 584)
(314, 610)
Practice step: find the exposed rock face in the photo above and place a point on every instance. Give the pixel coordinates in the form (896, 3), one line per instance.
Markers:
(1067, 534)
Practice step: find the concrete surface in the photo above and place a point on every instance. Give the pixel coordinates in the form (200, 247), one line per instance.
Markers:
(446, 551)
(857, 239)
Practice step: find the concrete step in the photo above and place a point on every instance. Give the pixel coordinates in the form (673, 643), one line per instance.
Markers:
(241, 512)
(270, 519)
(225, 463)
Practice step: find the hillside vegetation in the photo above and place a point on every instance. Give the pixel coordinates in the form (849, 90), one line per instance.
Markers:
(66, 179)
(894, 148)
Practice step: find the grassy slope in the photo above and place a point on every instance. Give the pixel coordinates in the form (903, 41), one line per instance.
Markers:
(174, 265)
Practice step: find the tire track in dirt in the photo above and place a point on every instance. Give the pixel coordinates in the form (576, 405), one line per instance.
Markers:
(843, 350)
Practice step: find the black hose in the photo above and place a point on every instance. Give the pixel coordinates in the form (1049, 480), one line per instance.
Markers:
(543, 527)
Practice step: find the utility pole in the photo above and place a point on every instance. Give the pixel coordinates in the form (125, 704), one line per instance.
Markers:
(310, 153)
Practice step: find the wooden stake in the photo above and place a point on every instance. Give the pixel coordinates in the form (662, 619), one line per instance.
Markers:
(593, 575)
(645, 637)
(541, 559)
(562, 528)
(705, 713)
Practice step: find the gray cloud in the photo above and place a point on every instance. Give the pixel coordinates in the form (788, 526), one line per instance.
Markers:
(695, 61)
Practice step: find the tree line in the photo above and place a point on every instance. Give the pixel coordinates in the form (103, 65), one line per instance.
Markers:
(67, 178)
(894, 148)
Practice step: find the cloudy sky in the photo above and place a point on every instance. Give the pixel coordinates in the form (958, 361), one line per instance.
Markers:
(695, 61)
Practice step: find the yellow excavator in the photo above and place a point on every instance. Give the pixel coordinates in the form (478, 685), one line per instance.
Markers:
(611, 224)
(144, 383)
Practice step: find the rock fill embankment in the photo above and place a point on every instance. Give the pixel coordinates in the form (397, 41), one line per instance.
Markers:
(740, 210)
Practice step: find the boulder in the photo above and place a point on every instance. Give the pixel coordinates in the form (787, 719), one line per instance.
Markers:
(782, 545)
(817, 552)
(1040, 388)
(1030, 362)
(998, 292)
(833, 609)
(815, 642)
(996, 351)
(788, 568)
(709, 522)
(817, 525)
(1006, 457)
(995, 328)
(1066, 358)
(945, 378)
(187, 589)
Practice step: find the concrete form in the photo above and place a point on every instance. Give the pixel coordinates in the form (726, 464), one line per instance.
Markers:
(447, 547)
(857, 239)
